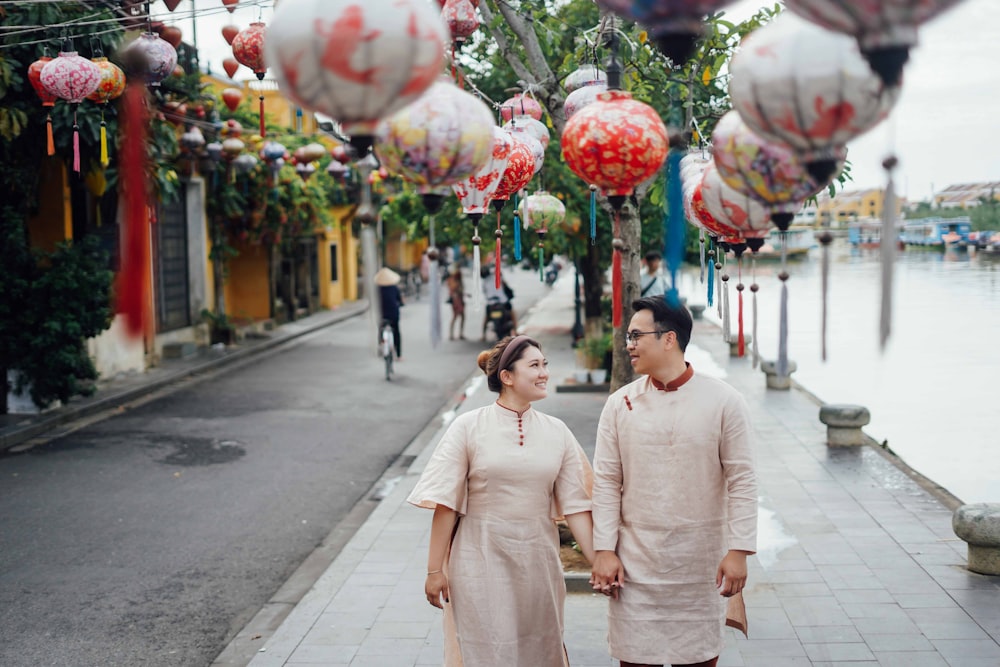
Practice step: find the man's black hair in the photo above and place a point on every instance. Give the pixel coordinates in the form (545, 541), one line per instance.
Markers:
(652, 256)
(667, 317)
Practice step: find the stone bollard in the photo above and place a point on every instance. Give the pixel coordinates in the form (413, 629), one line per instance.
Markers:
(979, 525)
(697, 311)
(843, 424)
(734, 345)
(775, 381)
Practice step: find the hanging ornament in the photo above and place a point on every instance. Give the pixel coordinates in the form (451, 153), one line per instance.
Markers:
(171, 4)
(230, 5)
(229, 33)
(615, 143)
(885, 30)
(245, 163)
(47, 98)
(535, 128)
(172, 35)
(533, 144)
(460, 17)
(587, 75)
(192, 140)
(111, 87)
(311, 152)
(232, 98)
(305, 170)
(773, 174)
(248, 49)
(231, 65)
(582, 97)
(337, 170)
(475, 192)
(159, 57)
(71, 77)
(522, 104)
(673, 25)
(520, 169)
(542, 212)
(375, 58)
(797, 84)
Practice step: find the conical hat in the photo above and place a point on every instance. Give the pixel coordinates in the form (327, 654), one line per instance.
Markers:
(386, 276)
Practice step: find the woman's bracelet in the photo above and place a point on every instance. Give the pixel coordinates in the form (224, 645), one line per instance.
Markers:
(434, 572)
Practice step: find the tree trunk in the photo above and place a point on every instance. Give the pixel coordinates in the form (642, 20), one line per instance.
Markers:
(630, 229)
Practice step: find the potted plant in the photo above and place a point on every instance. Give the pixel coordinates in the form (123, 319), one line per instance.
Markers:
(595, 351)
(221, 329)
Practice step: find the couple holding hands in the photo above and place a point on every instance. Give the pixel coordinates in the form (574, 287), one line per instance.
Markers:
(666, 515)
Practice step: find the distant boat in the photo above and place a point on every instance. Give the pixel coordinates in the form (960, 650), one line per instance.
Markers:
(868, 234)
(797, 241)
(937, 232)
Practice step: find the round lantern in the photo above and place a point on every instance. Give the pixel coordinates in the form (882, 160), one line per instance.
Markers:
(771, 173)
(673, 25)
(172, 35)
(732, 207)
(588, 75)
(248, 49)
(441, 139)
(797, 84)
(520, 168)
(232, 98)
(535, 128)
(245, 163)
(374, 58)
(160, 58)
(193, 139)
(337, 169)
(72, 78)
(615, 143)
(460, 17)
(111, 87)
(312, 152)
(885, 30)
(231, 148)
(541, 212)
(305, 170)
(229, 33)
(272, 150)
(521, 105)
(230, 5)
(533, 144)
(582, 97)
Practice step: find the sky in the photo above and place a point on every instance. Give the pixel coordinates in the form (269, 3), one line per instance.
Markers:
(944, 128)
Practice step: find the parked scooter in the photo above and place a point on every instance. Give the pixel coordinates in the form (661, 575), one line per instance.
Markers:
(498, 318)
(552, 272)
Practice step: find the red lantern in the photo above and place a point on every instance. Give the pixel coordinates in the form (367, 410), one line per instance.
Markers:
(615, 143)
(111, 87)
(231, 65)
(48, 99)
(171, 4)
(460, 17)
(248, 49)
(71, 77)
(521, 105)
(230, 5)
(159, 56)
(229, 33)
(172, 35)
(232, 97)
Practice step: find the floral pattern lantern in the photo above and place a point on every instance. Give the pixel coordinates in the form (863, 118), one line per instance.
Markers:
(521, 105)
(541, 211)
(520, 168)
(111, 87)
(248, 49)
(460, 17)
(588, 75)
(885, 29)
(72, 78)
(771, 173)
(797, 84)
(533, 144)
(615, 144)
(535, 128)
(732, 207)
(674, 25)
(160, 57)
(475, 193)
(47, 98)
(374, 58)
(582, 97)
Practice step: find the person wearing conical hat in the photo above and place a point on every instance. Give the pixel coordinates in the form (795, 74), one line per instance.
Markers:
(391, 299)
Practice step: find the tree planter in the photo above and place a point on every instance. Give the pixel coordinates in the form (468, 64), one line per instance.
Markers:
(21, 403)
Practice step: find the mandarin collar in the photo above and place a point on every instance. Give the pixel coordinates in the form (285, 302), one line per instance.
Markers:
(504, 410)
(676, 383)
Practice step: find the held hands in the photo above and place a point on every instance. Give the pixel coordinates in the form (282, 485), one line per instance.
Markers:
(607, 575)
(732, 574)
(436, 587)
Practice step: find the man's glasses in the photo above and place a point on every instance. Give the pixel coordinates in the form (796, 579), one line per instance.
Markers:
(634, 336)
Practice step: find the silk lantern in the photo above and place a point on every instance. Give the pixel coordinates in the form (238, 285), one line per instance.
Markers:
(47, 98)
(535, 128)
(582, 97)
(800, 85)
(475, 192)
(520, 168)
(521, 105)
(230, 5)
(885, 29)
(586, 75)
(673, 25)
(232, 98)
(72, 78)
(542, 211)
(111, 87)
(229, 33)
(373, 58)
(615, 144)
(248, 49)
(460, 17)
(231, 66)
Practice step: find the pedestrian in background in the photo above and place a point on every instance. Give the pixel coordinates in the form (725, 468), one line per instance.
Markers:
(497, 481)
(651, 283)
(391, 300)
(456, 297)
(675, 500)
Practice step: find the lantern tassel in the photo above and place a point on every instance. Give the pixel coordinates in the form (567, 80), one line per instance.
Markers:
(754, 288)
(104, 142)
(477, 278)
(134, 274)
(824, 297)
(701, 255)
(741, 342)
(262, 132)
(435, 290)
(76, 144)
(517, 236)
(593, 216)
(782, 366)
(50, 147)
(711, 284)
(718, 281)
(888, 250)
(674, 224)
(616, 278)
(726, 324)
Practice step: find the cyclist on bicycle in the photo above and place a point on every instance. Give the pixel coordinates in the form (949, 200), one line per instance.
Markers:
(391, 299)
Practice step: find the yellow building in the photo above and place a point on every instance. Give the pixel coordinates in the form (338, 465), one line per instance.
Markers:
(851, 206)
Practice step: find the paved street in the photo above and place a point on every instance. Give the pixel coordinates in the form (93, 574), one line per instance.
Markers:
(152, 536)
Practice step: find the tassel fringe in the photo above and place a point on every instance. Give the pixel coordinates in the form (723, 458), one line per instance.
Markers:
(888, 251)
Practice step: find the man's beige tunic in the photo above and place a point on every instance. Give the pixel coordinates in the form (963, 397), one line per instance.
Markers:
(674, 490)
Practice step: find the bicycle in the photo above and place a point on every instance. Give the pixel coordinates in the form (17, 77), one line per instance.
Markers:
(387, 342)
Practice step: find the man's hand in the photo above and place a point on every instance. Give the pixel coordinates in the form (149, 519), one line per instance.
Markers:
(607, 575)
(732, 574)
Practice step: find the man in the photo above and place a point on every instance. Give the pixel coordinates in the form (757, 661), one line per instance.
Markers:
(391, 300)
(651, 283)
(675, 500)
(496, 295)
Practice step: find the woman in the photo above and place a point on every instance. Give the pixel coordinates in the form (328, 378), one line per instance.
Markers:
(456, 297)
(509, 472)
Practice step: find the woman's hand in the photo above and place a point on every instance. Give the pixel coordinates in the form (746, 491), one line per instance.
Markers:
(436, 587)
(607, 575)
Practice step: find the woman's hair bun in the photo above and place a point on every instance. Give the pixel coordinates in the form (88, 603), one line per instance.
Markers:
(483, 359)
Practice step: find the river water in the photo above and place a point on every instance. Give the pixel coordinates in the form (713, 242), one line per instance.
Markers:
(933, 391)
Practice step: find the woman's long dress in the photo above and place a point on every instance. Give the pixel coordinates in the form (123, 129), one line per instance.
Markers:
(510, 477)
